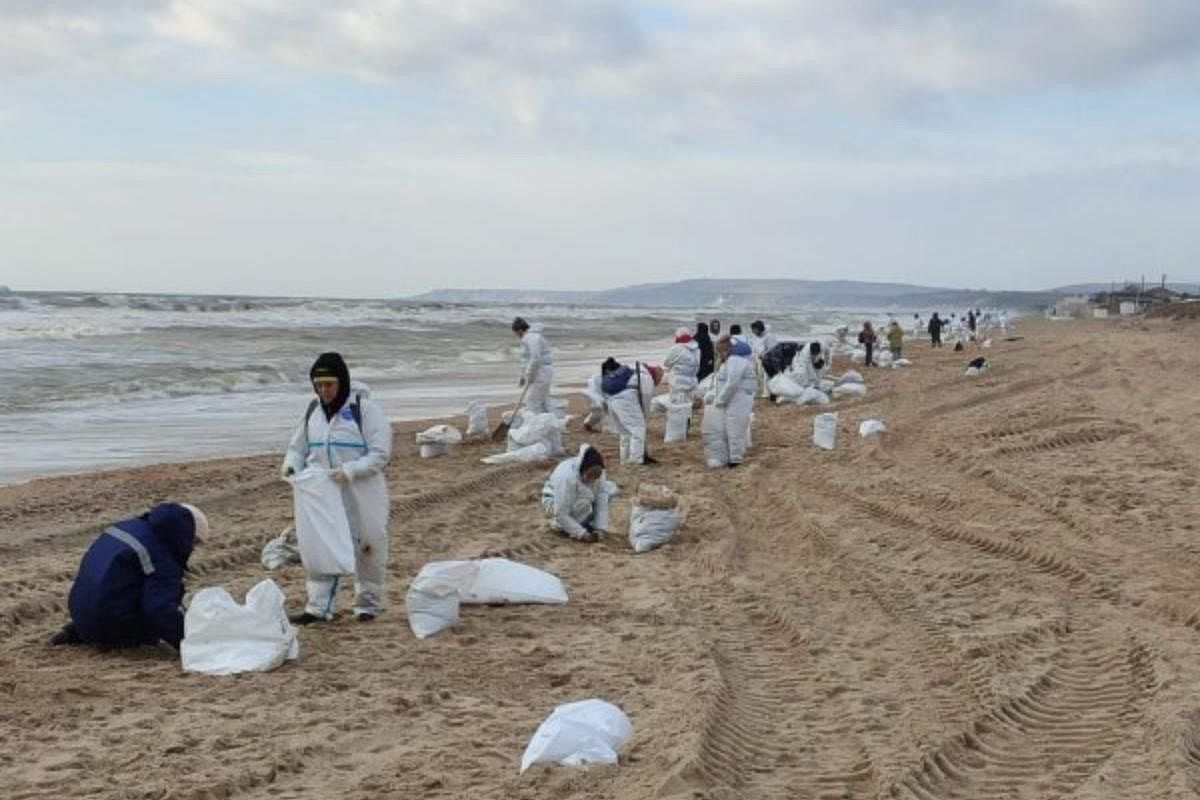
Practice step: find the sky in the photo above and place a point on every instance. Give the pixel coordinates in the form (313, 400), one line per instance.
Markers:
(387, 147)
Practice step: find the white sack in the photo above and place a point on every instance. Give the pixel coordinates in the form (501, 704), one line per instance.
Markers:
(850, 390)
(678, 416)
(825, 430)
(281, 551)
(901, 362)
(525, 455)
(986, 343)
(812, 397)
(441, 586)
(858, 357)
(650, 528)
(477, 420)
(434, 449)
(661, 403)
(781, 385)
(585, 732)
(974, 372)
(851, 376)
(222, 637)
(827, 385)
(538, 429)
(883, 358)
(440, 434)
(322, 528)
(871, 427)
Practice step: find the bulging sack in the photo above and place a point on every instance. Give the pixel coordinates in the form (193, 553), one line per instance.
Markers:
(524, 455)
(223, 637)
(436, 441)
(825, 430)
(538, 429)
(851, 376)
(281, 551)
(440, 587)
(850, 390)
(678, 416)
(585, 732)
(654, 519)
(477, 420)
(784, 388)
(322, 528)
(872, 427)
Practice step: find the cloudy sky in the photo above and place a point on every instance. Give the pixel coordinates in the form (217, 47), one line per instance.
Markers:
(382, 147)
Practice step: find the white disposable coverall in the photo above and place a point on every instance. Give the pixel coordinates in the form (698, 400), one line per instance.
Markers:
(627, 414)
(682, 365)
(804, 372)
(338, 444)
(537, 370)
(570, 504)
(726, 423)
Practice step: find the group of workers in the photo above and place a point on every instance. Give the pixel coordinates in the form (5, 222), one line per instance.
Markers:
(129, 587)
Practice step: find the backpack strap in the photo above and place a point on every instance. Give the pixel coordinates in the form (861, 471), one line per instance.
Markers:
(312, 406)
(355, 410)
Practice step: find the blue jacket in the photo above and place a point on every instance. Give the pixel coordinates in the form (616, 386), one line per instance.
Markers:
(615, 382)
(130, 582)
(741, 348)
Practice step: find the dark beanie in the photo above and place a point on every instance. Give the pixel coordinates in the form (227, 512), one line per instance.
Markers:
(814, 348)
(519, 325)
(591, 458)
(610, 365)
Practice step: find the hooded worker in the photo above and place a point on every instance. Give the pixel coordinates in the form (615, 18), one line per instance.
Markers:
(577, 494)
(129, 587)
(705, 343)
(351, 438)
(728, 406)
(629, 391)
(537, 366)
(682, 365)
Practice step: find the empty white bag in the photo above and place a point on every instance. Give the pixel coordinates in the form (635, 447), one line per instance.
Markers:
(322, 529)
(223, 637)
(825, 429)
(440, 587)
(584, 732)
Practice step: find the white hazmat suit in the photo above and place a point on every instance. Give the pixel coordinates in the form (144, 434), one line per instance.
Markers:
(338, 444)
(573, 506)
(728, 409)
(804, 368)
(627, 410)
(537, 370)
(682, 365)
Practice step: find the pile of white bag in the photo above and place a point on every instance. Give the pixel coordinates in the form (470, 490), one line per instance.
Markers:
(535, 437)
(575, 734)
(850, 385)
(825, 430)
(440, 587)
(223, 637)
(437, 441)
(654, 519)
(787, 390)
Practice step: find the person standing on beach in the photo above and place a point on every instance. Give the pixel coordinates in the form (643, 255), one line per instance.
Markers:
(866, 337)
(705, 342)
(537, 366)
(577, 494)
(895, 337)
(935, 330)
(349, 436)
(683, 366)
(129, 587)
(728, 407)
(629, 391)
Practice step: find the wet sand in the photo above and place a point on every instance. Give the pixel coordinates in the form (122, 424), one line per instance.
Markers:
(996, 599)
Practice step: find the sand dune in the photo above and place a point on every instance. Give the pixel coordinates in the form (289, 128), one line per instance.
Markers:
(996, 599)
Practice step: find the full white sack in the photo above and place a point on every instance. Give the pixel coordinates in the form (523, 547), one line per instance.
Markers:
(440, 434)
(825, 430)
(433, 449)
(678, 415)
(850, 390)
(871, 427)
(440, 587)
(901, 362)
(525, 455)
(784, 387)
(651, 528)
(661, 403)
(812, 397)
(322, 528)
(477, 420)
(433, 597)
(858, 357)
(851, 376)
(223, 637)
(533, 428)
(883, 358)
(584, 732)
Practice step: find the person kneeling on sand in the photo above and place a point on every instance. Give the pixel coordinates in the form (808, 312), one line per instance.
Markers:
(349, 436)
(129, 588)
(577, 494)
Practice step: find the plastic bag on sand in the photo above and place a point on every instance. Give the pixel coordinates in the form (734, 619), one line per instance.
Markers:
(783, 387)
(678, 415)
(585, 732)
(654, 519)
(851, 376)
(477, 420)
(871, 427)
(525, 455)
(825, 430)
(440, 434)
(901, 362)
(281, 551)
(222, 637)
(441, 586)
(322, 529)
(850, 390)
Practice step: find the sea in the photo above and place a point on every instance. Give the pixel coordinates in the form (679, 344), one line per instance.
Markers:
(95, 381)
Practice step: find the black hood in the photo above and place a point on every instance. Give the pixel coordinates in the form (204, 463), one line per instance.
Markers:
(331, 365)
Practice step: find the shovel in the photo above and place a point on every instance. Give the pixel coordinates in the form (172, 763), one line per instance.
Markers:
(501, 432)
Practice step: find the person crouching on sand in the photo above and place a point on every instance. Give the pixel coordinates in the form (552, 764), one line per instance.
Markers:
(348, 435)
(729, 405)
(129, 588)
(577, 495)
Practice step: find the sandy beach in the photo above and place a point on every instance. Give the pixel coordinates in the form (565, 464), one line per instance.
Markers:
(996, 599)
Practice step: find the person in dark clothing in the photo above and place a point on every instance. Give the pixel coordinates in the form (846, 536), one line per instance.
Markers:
(972, 323)
(935, 330)
(779, 358)
(866, 337)
(129, 588)
(707, 357)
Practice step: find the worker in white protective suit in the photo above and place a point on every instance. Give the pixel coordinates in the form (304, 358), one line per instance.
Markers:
(811, 364)
(537, 366)
(729, 405)
(762, 341)
(577, 495)
(347, 433)
(597, 411)
(682, 366)
(629, 391)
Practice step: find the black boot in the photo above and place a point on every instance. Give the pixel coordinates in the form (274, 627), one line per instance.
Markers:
(68, 635)
(304, 618)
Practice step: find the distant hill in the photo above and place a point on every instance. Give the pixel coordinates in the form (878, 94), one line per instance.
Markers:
(761, 294)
